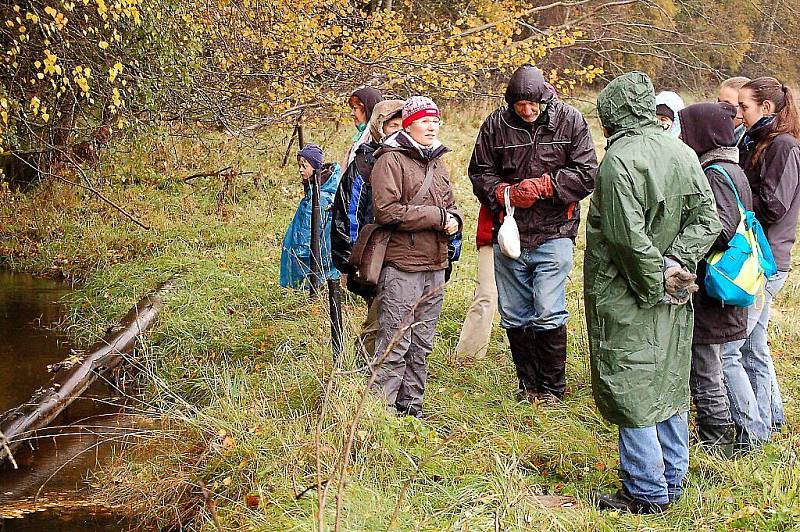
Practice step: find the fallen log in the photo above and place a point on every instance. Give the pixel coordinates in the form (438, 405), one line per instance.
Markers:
(18, 424)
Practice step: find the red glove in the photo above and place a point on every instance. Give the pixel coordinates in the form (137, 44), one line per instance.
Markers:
(545, 185)
(500, 194)
(527, 192)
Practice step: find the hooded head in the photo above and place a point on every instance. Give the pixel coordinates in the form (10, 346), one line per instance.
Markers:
(668, 104)
(708, 126)
(382, 112)
(527, 83)
(366, 96)
(529, 95)
(627, 103)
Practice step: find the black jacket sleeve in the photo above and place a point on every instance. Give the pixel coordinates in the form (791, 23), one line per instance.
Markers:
(779, 180)
(575, 180)
(341, 244)
(483, 168)
(727, 208)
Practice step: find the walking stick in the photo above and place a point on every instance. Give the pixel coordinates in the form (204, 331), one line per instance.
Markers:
(296, 132)
(335, 305)
(317, 273)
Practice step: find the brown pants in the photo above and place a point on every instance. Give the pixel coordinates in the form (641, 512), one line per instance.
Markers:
(412, 301)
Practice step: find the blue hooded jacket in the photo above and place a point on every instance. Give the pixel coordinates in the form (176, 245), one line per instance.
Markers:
(296, 250)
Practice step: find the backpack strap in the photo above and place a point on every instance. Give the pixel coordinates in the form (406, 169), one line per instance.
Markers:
(426, 185)
(722, 171)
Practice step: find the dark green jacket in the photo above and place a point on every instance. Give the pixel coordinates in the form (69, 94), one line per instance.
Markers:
(651, 200)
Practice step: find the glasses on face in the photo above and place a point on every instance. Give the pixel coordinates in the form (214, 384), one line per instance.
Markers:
(435, 122)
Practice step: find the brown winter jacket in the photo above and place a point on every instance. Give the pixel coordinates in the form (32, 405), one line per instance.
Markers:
(418, 242)
(509, 150)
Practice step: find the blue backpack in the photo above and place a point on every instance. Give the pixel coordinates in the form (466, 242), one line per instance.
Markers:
(737, 275)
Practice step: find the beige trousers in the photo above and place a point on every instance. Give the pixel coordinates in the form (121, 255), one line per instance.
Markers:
(477, 328)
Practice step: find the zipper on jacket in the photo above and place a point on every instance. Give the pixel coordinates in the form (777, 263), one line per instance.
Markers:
(536, 141)
(413, 244)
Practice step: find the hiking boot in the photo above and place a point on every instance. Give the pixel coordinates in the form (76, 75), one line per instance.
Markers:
(408, 411)
(538, 398)
(548, 399)
(623, 501)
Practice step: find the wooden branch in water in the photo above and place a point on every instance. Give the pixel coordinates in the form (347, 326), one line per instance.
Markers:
(18, 424)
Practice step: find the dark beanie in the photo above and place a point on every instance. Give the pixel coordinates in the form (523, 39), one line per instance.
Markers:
(368, 96)
(664, 110)
(313, 154)
(706, 126)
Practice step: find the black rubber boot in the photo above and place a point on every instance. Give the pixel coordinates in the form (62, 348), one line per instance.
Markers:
(522, 343)
(719, 438)
(623, 501)
(551, 360)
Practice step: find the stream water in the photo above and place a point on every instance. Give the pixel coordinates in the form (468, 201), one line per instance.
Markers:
(50, 491)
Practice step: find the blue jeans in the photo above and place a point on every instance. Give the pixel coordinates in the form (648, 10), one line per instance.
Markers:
(654, 460)
(531, 290)
(750, 428)
(756, 358)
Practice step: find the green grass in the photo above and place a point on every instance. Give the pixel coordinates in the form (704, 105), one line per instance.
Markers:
(236, 367)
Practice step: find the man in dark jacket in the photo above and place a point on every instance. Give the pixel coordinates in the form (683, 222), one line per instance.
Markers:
(708, 128)
(541, 151)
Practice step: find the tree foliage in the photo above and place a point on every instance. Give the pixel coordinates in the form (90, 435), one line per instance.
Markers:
(271, 57)
(686, 44)
(76, 70)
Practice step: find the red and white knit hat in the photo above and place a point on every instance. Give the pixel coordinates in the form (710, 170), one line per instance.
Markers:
(418, 107)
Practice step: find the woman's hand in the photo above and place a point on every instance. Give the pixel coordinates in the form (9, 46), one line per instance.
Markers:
(451, 225)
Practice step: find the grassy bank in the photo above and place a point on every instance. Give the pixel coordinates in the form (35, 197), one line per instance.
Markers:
(238, 367)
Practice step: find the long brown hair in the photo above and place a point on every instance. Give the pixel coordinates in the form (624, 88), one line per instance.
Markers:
(787, 118)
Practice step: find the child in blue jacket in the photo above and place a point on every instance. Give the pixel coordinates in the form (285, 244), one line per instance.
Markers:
(296, 250)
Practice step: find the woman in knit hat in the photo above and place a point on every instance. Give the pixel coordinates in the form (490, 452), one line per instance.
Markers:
(296, 249)
(411, 194)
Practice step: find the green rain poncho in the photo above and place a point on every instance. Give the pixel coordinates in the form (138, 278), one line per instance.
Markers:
(652, 200)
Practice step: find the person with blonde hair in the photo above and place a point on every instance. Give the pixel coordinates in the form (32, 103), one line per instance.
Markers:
(729, 93)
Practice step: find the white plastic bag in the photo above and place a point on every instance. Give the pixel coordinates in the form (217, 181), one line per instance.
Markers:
(508, 236)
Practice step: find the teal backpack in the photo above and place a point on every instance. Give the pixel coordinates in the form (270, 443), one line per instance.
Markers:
(737, 275)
